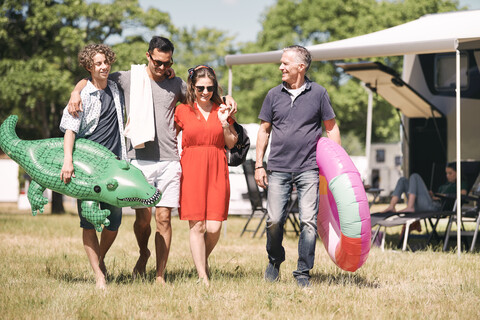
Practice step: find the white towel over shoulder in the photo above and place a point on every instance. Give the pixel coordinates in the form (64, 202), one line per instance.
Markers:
(140, 126)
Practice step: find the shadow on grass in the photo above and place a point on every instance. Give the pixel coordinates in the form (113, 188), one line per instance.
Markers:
(182, 275)
(171, 276)
(422, 242)
(345, 280)
(69, 276)
(190, 274)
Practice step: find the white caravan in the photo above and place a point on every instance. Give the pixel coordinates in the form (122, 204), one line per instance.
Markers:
(437, 48)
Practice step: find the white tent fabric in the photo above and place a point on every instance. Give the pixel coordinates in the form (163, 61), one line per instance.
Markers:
(393, 89)
(434, 33)
(428, 34)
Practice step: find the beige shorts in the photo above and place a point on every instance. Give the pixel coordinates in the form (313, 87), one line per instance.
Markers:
(165, 176)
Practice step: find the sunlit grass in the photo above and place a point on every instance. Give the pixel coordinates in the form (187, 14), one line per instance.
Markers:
(45, 275)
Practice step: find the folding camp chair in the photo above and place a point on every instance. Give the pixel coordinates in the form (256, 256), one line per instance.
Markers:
(477, 227)
(409, 218)
(470, 214)
(470, 170)
(257, 198)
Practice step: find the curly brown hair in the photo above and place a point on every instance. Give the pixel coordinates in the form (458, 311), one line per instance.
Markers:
(85, 56)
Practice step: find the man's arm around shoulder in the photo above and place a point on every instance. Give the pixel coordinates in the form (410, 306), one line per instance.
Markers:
(75, 103)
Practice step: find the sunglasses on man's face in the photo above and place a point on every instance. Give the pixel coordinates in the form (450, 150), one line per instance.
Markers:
(158, 63)
(202, 88)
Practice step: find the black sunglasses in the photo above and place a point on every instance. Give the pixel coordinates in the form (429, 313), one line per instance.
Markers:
(158, 63)
(202, 88)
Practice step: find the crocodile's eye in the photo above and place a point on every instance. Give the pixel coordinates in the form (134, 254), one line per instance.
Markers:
(97, 189)
(112, 184)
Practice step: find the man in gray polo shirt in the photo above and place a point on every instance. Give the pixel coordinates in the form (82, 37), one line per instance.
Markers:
(293, 112)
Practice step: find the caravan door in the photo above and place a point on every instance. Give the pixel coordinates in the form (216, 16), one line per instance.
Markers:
(425, 126)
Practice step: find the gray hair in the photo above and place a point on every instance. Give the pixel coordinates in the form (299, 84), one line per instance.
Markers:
(303, 55)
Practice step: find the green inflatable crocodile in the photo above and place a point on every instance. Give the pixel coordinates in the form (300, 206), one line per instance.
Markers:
(99, 175)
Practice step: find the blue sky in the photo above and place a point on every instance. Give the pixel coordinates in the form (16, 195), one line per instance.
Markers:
(240, 18)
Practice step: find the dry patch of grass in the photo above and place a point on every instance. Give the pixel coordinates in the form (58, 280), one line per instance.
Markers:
(45, 274)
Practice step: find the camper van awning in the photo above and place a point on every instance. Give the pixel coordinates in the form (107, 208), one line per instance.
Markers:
(429, 34)
(387, 83)
(445, 32)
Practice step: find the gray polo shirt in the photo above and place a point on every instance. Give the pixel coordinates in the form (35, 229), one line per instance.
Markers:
(296, 126)
(165, 94)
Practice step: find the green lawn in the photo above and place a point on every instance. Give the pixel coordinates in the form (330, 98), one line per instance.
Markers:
(45, 275)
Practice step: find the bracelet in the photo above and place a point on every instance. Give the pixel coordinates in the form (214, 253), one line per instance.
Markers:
(226, 126)
(261, 167)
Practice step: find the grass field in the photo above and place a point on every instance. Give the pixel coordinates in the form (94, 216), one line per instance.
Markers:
(45, 275)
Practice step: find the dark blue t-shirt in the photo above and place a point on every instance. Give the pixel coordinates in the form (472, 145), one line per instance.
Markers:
(107, 132)
(296, 126)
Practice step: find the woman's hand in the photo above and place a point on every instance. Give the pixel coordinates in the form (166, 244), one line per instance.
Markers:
(229, 132)
(223, 113)
(432, 195)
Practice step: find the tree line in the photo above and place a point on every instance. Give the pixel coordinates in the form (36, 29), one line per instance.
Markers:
(40, 39)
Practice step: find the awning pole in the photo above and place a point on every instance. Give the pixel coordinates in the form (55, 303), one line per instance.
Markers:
(230, 80)
(368, 139)
(459, 169)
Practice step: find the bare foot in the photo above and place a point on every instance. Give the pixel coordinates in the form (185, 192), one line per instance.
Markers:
(141, 265)
(160, 280)
(205, 281)
(389, 209)
(101, 284)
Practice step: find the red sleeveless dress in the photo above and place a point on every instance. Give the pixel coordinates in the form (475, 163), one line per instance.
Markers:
(204, 185)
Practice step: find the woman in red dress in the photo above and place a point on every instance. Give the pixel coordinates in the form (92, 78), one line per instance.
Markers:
(206, 128)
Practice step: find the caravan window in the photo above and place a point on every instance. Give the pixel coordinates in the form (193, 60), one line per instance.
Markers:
(445, 74)
(380, 155)
(439, 72)
(398, 161)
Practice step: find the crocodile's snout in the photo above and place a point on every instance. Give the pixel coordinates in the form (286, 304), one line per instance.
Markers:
(148, 201)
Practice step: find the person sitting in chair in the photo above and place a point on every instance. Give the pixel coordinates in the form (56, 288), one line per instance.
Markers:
(419, 198)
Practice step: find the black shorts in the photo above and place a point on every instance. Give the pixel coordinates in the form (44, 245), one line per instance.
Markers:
(115, 216)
